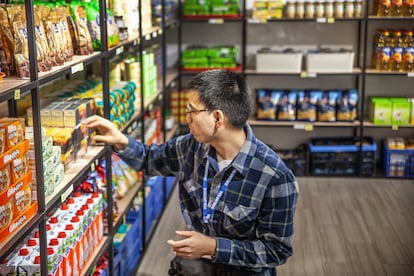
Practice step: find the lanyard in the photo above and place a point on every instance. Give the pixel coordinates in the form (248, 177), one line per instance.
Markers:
(208, 212)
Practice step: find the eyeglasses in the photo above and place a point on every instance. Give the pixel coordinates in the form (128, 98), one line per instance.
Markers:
(189, 109)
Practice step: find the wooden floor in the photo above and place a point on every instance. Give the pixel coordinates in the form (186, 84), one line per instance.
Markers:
(344, 226)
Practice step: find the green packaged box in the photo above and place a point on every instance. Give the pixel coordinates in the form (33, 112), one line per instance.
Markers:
(381, 111)
(401, 108)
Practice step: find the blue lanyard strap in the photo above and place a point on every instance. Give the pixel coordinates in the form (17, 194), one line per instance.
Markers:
(208, 212)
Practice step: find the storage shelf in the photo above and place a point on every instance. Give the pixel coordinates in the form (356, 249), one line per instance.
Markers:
(171, 76)
(96, 256)
(70, 67)
(302, 125)
(125, 204)
(389, 18)
(9, 84)
(73, 173)
(394, 127)
(303, 74)
(215, 19)
(316, 20)
(8, 245)
(390, 73)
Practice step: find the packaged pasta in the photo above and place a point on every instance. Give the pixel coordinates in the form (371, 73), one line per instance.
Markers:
(266, 104)
(287, 106)
(306, 106)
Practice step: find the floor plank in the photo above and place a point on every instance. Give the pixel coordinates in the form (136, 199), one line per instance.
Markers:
(343, 226)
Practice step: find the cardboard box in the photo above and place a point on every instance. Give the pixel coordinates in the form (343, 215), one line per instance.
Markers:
(381, 111)
(401, 109)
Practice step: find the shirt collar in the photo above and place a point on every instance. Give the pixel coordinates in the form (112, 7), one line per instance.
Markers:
(242, 158)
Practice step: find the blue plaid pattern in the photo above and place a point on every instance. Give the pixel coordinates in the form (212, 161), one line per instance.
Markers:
(253, 221)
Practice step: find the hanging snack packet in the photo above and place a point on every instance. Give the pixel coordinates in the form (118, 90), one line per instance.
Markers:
(92, 15)
(21, 50)
(7, 44)
(84, 40)
(66, 38)
(44, 60)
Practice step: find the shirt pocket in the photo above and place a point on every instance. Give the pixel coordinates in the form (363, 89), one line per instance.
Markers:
(239, 219)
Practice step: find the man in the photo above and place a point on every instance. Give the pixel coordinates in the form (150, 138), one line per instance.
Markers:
(237, 197)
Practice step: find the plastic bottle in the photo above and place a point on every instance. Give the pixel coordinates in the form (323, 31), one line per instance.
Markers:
(408, 8)
(349, 8)
(319, 8)
(384, 7)
(300, 8)
(408, 50)
(290, 9)
(358, 8)
(329, 8)
(339, 8)
(396, 8)
(381, 51)
(309, 9)
(396, 44)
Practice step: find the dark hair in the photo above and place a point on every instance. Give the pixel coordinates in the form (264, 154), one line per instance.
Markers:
(226, 91)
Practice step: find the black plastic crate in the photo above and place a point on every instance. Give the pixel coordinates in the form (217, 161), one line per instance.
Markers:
(295, 159)
(342, 156)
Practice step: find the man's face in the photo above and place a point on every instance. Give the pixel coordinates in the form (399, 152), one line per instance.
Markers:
(199, 119)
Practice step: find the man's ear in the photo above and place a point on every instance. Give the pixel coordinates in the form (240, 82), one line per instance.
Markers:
(218, 117)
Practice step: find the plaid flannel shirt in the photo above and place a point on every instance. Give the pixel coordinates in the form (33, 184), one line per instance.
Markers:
(253, 221)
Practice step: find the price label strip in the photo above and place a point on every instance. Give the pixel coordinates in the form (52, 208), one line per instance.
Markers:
(76, 68)
(17, 94)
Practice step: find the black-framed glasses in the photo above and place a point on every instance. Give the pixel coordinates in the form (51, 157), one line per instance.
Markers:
(189, 109)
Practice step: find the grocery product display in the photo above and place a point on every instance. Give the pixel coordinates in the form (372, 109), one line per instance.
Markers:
(306, 75)
(80, 67)
(61, 206)
(210, 8)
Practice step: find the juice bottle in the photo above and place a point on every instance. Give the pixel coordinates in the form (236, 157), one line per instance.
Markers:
(408, 8)
(396, 7)
(396, 44)
(408, 50)
(381, 50)
(384, 7)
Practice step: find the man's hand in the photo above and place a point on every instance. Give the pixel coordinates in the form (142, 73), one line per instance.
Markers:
(108, 133)
(193, 246)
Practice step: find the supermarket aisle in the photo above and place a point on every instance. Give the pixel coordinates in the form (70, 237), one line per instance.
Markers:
(156, 261)
(344, 226)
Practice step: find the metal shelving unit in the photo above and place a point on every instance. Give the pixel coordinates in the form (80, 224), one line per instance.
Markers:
(13, 88)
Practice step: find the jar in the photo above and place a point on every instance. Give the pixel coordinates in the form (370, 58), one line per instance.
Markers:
(339, 8)
(319, 9)
(358, 8)
(309, 9)
(300, 8)
(329, 8)
(290, 9)
(349, 8)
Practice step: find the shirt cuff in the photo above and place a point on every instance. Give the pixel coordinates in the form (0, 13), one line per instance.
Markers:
(223, 250)
(124, 151)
